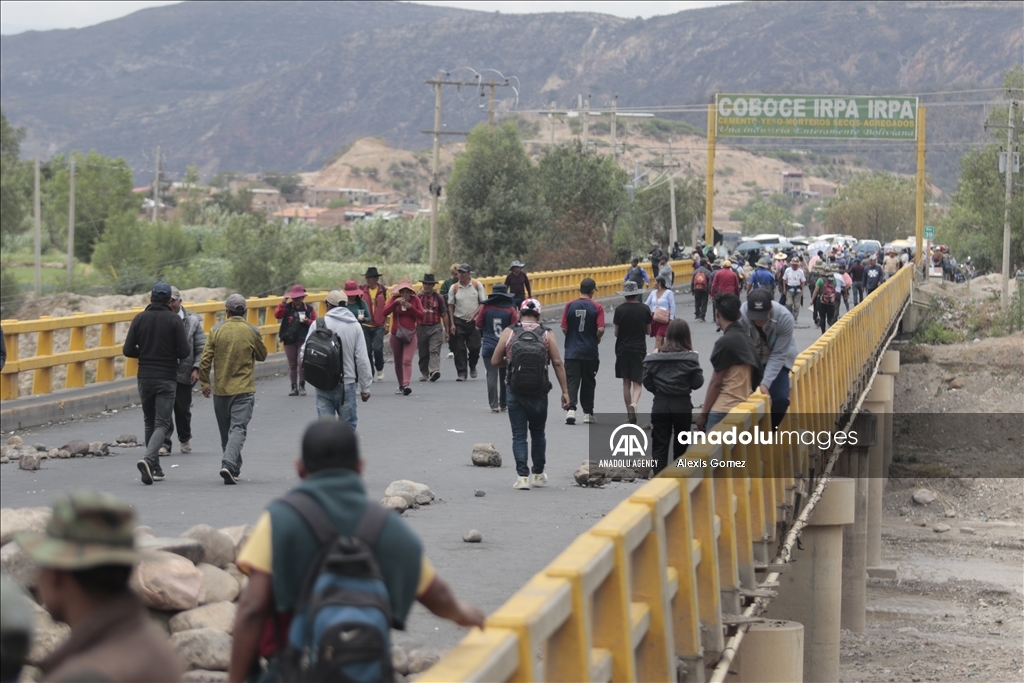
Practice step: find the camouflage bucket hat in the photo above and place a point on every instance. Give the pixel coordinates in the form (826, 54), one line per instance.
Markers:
(86, 530)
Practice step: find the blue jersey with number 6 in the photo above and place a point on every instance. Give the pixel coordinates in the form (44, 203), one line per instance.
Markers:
(581, 320)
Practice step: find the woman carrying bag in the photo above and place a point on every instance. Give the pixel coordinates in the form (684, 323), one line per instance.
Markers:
(406, 313)
(662, 303)
(296, 316)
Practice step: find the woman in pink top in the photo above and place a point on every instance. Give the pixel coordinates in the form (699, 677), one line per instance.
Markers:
(406, 312)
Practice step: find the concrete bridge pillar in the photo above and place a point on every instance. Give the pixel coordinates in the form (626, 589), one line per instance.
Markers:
(771, 652)
(879, 402)
(890, 366)
(811, 592)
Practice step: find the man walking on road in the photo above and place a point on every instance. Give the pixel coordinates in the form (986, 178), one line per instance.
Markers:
(857, 276)
(725, 281)
(699, 286)
(464, 299)
(376, 297)
(231, 351)
(157, 339)
(737, 367)
(284, 545)
(632, 321)
(356, 372)
(769, 325)
(188, 375)
(433, 331)
(526, 350)
(873, 276)
(497, 313)
(583, 325)
(793, 280)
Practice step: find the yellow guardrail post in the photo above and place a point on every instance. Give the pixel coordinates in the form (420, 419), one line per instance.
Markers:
(105, 366)
(9, 380)
(75, 376)
(42, 380)
(536, 613)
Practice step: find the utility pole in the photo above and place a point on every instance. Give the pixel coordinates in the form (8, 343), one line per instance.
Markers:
(615, 149)
(39, 236)
(490, 106)
(156, 186)
(551, 121)
(435, 185)
(673, 235)
(71, 221)
(586, 123)
(1006, 209)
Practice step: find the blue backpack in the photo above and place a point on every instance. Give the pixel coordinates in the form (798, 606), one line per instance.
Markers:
(762, 279)
(341, 629)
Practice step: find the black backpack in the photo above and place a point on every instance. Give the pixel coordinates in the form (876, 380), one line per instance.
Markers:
(321, 361)
(292, 329)
(528, 368)
(341, 628)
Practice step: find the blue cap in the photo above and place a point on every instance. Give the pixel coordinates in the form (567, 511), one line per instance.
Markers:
(161, 292)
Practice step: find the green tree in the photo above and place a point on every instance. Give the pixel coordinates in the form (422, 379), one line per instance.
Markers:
(493, 200)
(766, 217)
(14, 181)
(191, 196)
(266, 255)
(134, 253)
(289, 184)
(651, 214)
(878, 206)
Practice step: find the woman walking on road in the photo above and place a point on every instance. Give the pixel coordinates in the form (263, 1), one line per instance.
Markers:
(662, 303)
(296, 316)
(406, 313)
(671, 373)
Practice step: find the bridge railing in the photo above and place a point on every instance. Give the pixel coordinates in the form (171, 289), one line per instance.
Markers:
(660, 578)
(84, 345)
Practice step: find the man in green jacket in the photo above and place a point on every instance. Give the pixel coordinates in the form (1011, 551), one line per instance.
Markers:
(232, 350)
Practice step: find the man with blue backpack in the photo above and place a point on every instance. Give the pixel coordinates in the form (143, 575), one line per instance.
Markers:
(762, 277)
(330, 573)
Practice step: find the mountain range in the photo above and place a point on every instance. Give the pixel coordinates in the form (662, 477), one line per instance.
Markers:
(284, 85)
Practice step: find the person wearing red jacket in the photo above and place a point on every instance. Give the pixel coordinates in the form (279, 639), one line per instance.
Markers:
(406, 313)
(725, 281)
(296, 316)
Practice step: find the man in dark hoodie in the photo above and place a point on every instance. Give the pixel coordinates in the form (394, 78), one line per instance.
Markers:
(157, 339)
(671, 374)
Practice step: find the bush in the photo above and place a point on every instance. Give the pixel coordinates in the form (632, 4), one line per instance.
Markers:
(266, 256)
(12, 296)
(134, 254)
(937, 333)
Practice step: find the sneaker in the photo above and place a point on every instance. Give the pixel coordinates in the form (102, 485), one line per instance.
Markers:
(147, 474)
(494, 410)
(424, 378)
(522, 484)
(186, 446)
(460, 378)
(589, 419)
(294, 391)
(504, 409)
(434, 376)
(302, 389)
(164, 450)
(631, 413)
(406, 390)
(570, 417)
(158, 474)
(539, 479)
(380, 375)
(229, 479)
(398, 391)
(472, 373)
(451, 355)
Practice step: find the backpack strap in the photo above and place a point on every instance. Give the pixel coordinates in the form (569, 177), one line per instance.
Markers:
(314, 516)
(371, 524)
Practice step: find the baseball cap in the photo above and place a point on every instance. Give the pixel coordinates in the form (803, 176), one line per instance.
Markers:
(336, 297)
(235, 303)
(588, 285)
(464, 268)
(352, 288)
(759, 304)
(175, 293)
(161, 292)
(530, 305)
(87, 529)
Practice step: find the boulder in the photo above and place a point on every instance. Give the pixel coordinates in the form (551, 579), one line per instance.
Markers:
(422, 499)
(217, 584)
(479, 493)
(40, 447)
(219, 548)
(29, 461)
(941, 528)
(168, 582)
(396, 503)
(472, 536)
(127, 439)
(203, 648)
(144, 532)
(238, 535)
(924, 496)
(75, 448)
(399, 660)
(16, 520)
(53, 453)
(216, 615)
(584, 477)
(204, 676)
(486, 455)
(99, 448)
(162, 619)
(18, 565)
(14, 441)
(63, 455)
(47, 635)
(238, 576)
(405, 486)
(189, 548)
(422, 659)
(4, 459)
(956, 383)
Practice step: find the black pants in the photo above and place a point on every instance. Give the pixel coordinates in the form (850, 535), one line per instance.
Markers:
(581, 376)
(669, 415)
(826, 315)
(465, 346)
(157, 396)
(182, 415)
(700, 305)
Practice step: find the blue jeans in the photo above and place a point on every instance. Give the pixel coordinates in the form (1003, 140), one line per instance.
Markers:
(331, 403)
(528, 413)
(713, 419)
(778, 392)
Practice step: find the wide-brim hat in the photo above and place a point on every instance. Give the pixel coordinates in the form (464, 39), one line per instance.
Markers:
(763, 262)
(499, 295)
(56, 553)
(352, 288)
(429, 279)
(629, 288)
(404, 284)
(371, 272)
(296, 292)
(517, 264)
(780, 256)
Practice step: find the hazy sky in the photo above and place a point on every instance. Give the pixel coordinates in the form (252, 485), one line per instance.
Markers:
(17, 16)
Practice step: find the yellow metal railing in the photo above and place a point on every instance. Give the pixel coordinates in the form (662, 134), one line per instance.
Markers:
(656, 580)
(549, 287)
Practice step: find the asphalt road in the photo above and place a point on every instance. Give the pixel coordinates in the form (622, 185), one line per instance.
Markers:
(426, 437)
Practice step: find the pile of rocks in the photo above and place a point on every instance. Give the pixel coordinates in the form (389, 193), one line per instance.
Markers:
(589, 476)
(486, 455)
(190, 585)
(29, 457)
(404, 494)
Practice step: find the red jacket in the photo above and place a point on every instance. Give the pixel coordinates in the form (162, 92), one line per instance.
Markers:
(725, 281)
(408, 318)
(376, 306)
